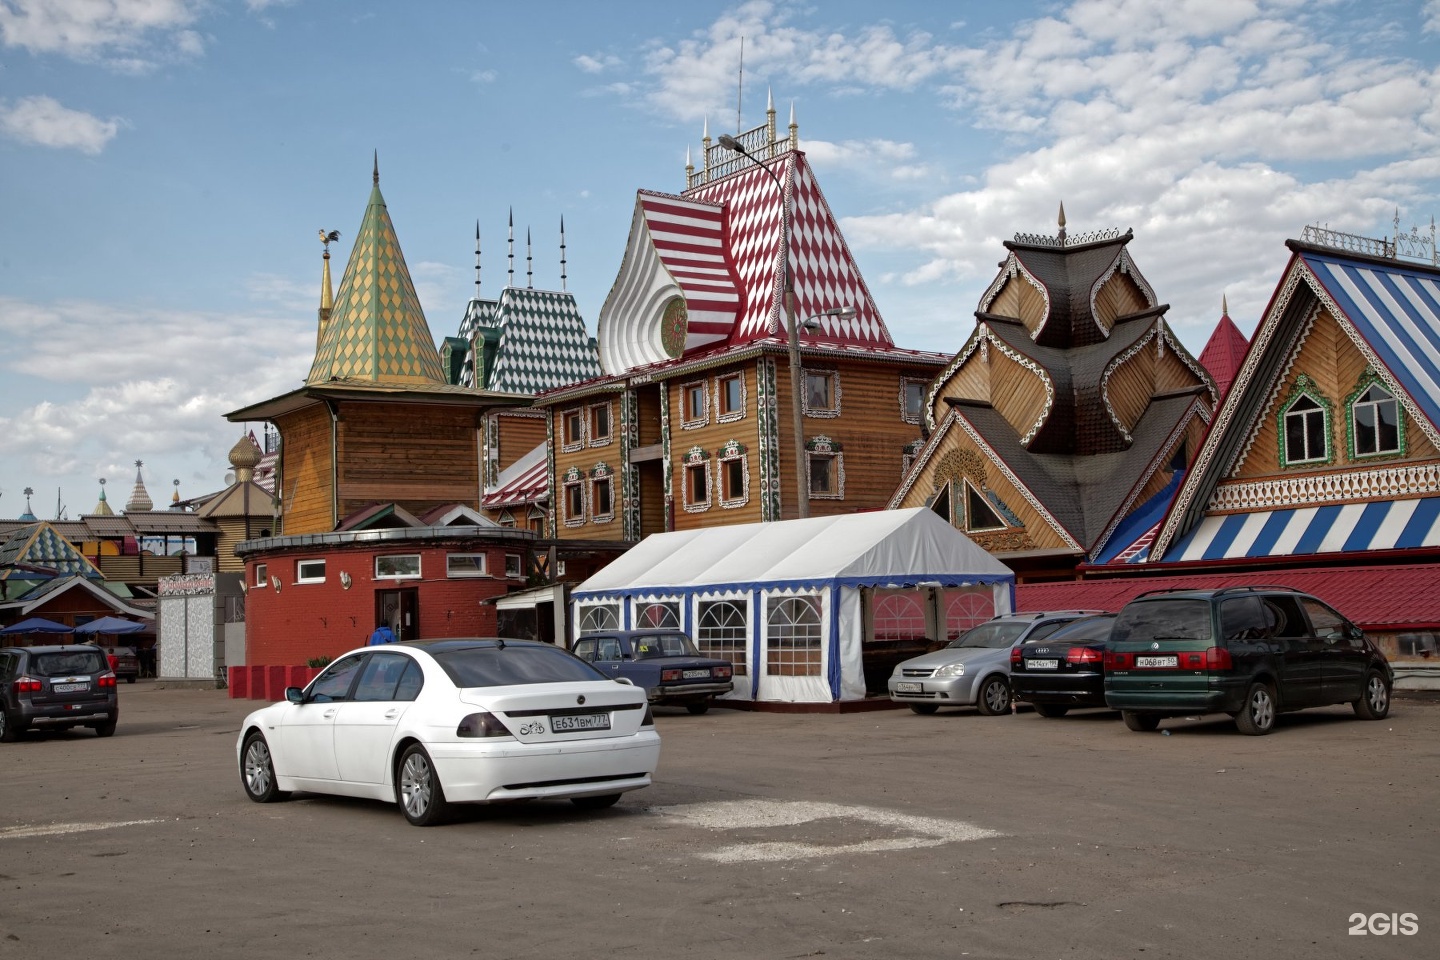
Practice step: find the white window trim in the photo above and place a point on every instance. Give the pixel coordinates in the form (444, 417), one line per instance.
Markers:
(919, 414)
(484, 570)
(309, 578)
(417, 575)
(262, 575)
(820, 413)
(567, 445)
(609, 438)
(1305, 414)
(595, 515)
(839, 458)
(514, 570)
(566, 486)
(744, 497)
(739, 413)
(685, 422)
(703, 505)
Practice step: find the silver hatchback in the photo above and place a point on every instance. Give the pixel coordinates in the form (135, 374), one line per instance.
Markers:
(974, 669)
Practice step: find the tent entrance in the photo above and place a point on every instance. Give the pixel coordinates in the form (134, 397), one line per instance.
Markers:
(904, 623)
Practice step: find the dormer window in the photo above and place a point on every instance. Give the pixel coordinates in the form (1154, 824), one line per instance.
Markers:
(1375, 422)
(1306, 436)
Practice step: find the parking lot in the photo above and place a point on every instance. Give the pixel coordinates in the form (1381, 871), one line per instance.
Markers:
(880, 834)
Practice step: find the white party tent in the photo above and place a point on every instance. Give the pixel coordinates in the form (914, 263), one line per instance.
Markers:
(795, 603)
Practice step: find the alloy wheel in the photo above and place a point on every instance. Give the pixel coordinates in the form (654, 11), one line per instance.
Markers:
(416, 783)
(257, 767)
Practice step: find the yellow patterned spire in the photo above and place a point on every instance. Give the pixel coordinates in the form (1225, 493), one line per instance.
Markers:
(376, 330)
(327, 291)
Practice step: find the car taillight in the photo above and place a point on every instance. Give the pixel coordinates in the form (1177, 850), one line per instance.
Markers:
(481, 725)
(721, 673)
(1218, 658)
(669, 676)
(1119, 661)
(1015, 658)
(1083, 655)
(28, 685)
(105, 680)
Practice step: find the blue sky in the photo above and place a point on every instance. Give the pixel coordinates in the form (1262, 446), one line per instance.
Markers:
(165, 166)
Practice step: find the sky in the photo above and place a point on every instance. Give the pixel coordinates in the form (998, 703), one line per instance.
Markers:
(166, 165)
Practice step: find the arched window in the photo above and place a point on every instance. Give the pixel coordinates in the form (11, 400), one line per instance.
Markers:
(899, 616)
(721, 632)
(663, 615)
(792, 634)
(1375, 422)
(967, 607)
(600, 616)
(1306, 436)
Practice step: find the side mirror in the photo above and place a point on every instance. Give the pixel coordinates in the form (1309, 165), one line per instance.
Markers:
(295, 694)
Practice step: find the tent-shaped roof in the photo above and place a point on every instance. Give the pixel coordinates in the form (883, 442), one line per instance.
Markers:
(39, 551)
(542, 341)
(1224, 352)
(884, 548)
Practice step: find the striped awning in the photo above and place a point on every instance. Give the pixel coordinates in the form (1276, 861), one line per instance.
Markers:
(1340, 528)
(525, 481)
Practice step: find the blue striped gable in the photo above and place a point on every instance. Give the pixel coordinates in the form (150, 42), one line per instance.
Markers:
(1397, 310)
(1337, 528)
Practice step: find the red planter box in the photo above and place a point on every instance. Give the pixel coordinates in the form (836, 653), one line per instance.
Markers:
(238, 683)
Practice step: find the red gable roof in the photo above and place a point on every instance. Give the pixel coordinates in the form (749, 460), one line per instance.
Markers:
(1377, 597)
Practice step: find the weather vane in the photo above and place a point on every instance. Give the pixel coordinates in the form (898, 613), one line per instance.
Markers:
(327, 239)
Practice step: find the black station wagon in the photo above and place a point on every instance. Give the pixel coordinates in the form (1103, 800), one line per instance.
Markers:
(1251, 652)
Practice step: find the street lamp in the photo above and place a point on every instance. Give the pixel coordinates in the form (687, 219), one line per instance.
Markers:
(797, 424)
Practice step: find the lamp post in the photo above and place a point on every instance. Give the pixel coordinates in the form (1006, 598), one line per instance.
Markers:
(797, 423)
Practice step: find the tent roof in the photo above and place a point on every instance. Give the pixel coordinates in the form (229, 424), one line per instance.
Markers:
(887, 547)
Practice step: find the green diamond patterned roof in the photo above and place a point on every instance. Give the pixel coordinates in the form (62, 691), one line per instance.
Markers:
(377, 330)
(41, 546)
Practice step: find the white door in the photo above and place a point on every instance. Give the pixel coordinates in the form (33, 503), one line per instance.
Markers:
(305, 735)
(365, 724)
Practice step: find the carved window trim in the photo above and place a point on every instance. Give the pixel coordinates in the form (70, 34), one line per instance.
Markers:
(729, 454)
(567, 417)
(820, 413)
(823, 449)
(602, 477)
(1368, 381)
(687, 391)
(1306, 390)
(573, 497)
(721, 414)
(921, 387)
(595, 438)
(695, 463)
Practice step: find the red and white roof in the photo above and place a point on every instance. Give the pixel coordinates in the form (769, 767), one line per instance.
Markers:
(524, 481)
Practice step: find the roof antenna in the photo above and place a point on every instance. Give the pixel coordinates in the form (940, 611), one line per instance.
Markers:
(477, 259)
(511, 281)
(529, 258)
(562, 251)
(740, 86)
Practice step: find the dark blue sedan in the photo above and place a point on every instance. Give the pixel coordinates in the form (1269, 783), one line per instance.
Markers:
(664, 662)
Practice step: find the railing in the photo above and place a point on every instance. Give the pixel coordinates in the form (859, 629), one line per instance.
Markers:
(1411, 246)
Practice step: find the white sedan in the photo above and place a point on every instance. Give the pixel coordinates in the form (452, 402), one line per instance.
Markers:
(430, 724)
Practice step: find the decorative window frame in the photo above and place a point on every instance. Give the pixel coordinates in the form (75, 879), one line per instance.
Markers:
(721, 416)
(970, 488)
(1306, 387)
(506, 519)
(380, 558)
(301, 576)
(919, 414)
(732, 452)
(536, 512)
(823, 446)
(1367, 380)
(686, 421)
(820, 413)
(573, 479)
(566, 444)
(597, 617)
(602, 474)
(482, 569)
(591, 438)
(696, 458)
(908, 454)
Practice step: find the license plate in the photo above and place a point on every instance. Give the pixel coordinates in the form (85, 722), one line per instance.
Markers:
(1042, 664)
(907, 688)
(696, 674)
(581, 721)
(1157, 661)
(70, 687)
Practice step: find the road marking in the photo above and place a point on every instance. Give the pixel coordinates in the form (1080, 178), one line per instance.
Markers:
(56, 829)
(912, 832)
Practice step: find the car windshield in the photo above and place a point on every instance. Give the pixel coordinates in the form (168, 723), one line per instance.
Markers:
(1173, 619)
(66, 664)
(514, 663)
(669, 645)
(994, 635)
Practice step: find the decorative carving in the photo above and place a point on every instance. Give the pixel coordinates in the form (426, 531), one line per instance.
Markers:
(1397, 482)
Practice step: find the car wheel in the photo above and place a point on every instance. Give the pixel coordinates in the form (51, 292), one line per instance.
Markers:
(698, 708)
(10, 729)
(1140, 722)
(994, 696)
(257, 771)
(924, 709)
(106, 729)
(1051, 709)
(1374, 703)
(421, 797)
(1257, 717)
(596, 803)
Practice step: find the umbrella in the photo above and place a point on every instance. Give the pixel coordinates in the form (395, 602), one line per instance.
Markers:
(112, 625)
(35, 625)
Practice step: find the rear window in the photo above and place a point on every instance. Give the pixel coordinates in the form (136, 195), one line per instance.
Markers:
(1162, 620)
(671, 645)
(513, 664)
(1097, 629)
(65, 664)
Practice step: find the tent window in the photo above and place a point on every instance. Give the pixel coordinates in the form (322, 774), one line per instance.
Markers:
(899, 616)
(599, 616)
(660, 615)
(979, 514)
(967, 607)
(722, 631)
(792, 635)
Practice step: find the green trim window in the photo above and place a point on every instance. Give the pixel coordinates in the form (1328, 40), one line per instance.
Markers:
(1305, 426)
(1375, 422)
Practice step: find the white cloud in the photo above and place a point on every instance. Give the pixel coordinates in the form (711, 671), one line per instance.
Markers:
(44, 122)
(129, 35)
(598, 63)
(880, 159)
(1430, 14)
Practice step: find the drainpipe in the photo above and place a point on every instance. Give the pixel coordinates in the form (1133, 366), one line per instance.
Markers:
(334, 464)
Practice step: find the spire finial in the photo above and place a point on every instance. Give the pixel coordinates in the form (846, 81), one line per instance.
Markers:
(477, 259)
(1224, 305)
(327, 294)
(511, 255)
(794, 129)
(1062, 220)
(562, 251)
(529, 262)
(375, 171)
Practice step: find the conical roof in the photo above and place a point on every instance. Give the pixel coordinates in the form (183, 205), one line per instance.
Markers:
(139, 501)
(377, 330)
(1224, 351)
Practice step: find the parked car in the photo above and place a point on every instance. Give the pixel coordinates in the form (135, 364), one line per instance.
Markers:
(974, 668)
(1065, 669)
(124, 662)
(432, 724)
(664, 662)
(55, 688)
(1251, 652)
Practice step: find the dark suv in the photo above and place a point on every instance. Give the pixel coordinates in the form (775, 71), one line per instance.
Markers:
(55, 688)
(1251, 652)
